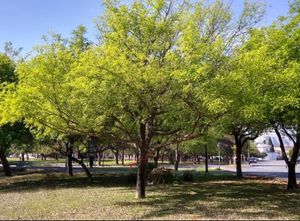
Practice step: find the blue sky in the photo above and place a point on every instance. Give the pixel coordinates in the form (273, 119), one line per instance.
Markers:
(24, 22)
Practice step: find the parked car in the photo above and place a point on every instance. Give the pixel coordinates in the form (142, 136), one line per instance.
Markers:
(253, 160)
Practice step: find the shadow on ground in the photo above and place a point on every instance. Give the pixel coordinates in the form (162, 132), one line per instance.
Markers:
(220, 198)
(33, 180)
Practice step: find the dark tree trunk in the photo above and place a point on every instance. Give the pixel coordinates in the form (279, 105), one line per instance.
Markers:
(171, 157)
(22, 157)
(292, 179)
(99, 158)
(156, 157)
(5, 164)
(123, 156)
(198, 159)
(86, 170)
(206, 159)
(69, 146)
(143, 161)
(141, 176)
(91, 160)
(194, 157)
(177, 157)
(136, 157)
(238, 154)
(117, 156)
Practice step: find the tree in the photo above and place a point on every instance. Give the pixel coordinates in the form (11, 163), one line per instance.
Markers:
(7, 77)
(269, 62)
(213, 39)
(160, 84)
(43, 95)
(144, 100)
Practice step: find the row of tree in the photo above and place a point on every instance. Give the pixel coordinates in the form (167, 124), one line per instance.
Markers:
(164, 72)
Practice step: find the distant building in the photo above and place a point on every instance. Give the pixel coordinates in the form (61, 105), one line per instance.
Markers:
(268, 143)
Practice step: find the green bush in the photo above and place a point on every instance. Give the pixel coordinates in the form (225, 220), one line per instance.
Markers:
(131, 178)
(161, 176)
(150, 167)
(188, 176)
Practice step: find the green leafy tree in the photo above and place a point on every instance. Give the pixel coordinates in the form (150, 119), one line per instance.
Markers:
(15, 133)
(43, 95)
(269, 62)
(212, 38)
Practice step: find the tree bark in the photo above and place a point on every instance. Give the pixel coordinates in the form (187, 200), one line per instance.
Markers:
(198, 159)
(22, 157)
(141, 176)
(177, 157)
(117, 156)
(5, 164)
(86, 170)
(206, 159)
(238, 154)
(156, 157)
(171, 157)
(143, 160)
(292, 179)
(123, 156)
(69, 146)
(99, 158)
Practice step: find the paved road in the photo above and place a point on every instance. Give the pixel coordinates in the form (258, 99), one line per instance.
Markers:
(276, 169)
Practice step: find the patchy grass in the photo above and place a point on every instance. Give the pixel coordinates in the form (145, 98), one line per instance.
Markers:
(111, 196)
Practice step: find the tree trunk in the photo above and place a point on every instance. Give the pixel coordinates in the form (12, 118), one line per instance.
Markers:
(206, 159)
(27, 156)
(171, 157)
(238, 153)
(69, 156)
(143, 161)
(91, 160)
(103, 159)
(99, 158)
(156, 158)
(5, 164)
(292, 179)
(117, 156)
(141, 176)
(177, 157)
(123, 156)
(198, 159)
(86, 170)
(22, 157)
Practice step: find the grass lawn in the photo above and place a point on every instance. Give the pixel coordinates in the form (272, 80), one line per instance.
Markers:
(57, 196)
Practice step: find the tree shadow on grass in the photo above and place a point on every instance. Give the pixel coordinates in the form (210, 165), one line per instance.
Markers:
(31, 181)
(245, 199)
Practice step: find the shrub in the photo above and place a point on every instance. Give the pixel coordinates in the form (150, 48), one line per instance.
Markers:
(161, 176)
(131, 178)
(150, 167)
(188, 176)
